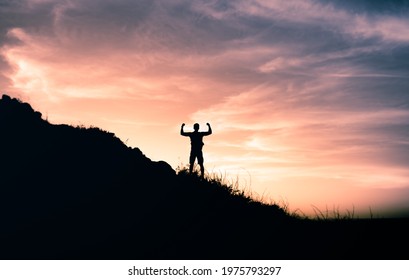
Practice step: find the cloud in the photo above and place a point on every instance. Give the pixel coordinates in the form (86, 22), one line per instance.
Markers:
(304, 138)
(327, 16)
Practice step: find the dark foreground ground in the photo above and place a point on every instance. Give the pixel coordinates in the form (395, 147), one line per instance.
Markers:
(80, 193)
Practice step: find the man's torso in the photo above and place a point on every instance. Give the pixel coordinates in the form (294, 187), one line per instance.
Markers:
(196, 140)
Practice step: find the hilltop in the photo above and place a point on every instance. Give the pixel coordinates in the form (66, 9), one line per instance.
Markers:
(80, 193)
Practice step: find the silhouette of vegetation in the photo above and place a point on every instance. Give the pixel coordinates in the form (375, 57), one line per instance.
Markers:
(80, 193)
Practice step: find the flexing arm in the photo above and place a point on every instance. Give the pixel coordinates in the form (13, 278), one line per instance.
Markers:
(209, 131)
(181, 130)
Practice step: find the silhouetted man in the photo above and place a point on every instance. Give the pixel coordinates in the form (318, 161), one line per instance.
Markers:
(196, 144)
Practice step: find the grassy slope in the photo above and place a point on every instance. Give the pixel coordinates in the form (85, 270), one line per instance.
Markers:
(220, 222)
(80, 193)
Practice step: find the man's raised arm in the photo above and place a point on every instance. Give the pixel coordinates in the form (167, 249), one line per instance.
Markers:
(209, 131)
(181, 130)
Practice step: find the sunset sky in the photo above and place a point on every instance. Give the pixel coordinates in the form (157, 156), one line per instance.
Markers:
(308, 100)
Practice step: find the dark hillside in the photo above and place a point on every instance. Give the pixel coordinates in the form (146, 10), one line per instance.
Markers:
(80, 193)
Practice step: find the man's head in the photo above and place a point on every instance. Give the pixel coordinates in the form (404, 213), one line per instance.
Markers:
(196, 127)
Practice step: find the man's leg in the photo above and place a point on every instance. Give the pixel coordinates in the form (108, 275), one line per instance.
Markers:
(201, 170)
(191, 162)
(200, 161)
